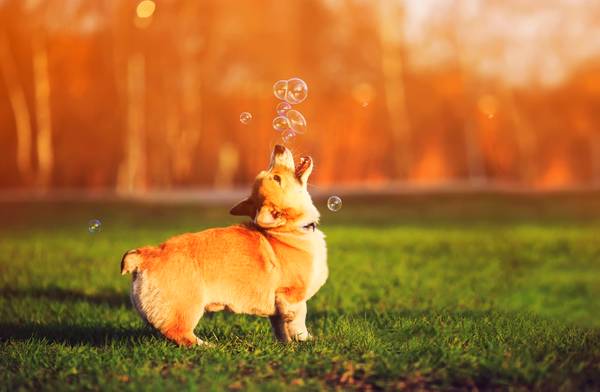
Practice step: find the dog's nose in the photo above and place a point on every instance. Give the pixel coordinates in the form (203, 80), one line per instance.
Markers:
(279, 149)
(281, 157)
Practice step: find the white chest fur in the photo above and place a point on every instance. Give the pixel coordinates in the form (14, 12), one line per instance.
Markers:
(312, 242)
(320, 271)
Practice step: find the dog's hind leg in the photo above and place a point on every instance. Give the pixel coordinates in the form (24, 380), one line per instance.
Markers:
(180, 328)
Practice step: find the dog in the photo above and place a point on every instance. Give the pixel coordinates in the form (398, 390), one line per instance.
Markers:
(267, 267)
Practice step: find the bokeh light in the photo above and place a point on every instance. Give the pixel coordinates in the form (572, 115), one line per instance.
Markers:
(145, 9)
(488, 105)
(363, 93)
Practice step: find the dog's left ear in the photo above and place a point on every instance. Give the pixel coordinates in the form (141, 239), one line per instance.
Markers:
(304, 169)
(245, 207)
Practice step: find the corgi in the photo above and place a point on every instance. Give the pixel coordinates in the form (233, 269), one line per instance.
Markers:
(267, 267)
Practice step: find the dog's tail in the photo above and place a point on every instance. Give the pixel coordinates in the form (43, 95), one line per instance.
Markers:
(131, 261)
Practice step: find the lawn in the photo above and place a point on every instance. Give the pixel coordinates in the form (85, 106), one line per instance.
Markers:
(425, 292)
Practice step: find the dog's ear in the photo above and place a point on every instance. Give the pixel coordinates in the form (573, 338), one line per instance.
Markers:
(245, 207)
(304, 169)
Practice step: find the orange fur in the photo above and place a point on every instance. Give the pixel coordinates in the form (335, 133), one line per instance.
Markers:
(269, 267)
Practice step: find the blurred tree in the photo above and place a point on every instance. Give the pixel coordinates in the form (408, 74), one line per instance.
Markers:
(470, 93)
(393, 66)
(132, 170)
(16, 95)
(41, 84)
(188, 39)
(107, 94)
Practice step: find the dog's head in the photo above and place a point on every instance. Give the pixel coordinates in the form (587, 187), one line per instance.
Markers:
(280, 199)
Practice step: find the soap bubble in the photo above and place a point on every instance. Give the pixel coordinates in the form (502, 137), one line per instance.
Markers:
(334, 203)
(288, 135)
(280, 89)
(297, 121)
(281, 123)
(245, 117)
(297, 90)
(282, 108)
(94, 226)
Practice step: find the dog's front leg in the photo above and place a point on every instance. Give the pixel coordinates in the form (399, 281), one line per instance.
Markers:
(295, 321)
(279, 328)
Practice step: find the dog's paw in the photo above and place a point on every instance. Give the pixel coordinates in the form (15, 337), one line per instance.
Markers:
(202, 343)
(302, 336)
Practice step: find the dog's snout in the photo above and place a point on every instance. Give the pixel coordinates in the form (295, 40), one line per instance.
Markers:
(279, 149)
(282, 157)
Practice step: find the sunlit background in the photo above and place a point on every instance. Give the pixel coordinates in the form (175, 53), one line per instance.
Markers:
(137, 96)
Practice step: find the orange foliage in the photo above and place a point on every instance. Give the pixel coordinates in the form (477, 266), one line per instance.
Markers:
(139, 95)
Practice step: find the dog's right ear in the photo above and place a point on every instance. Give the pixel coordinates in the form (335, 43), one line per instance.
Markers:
(245, 207)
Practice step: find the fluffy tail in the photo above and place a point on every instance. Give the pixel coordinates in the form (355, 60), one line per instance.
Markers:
(130, 262)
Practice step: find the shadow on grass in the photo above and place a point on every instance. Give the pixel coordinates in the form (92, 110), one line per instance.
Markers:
(69, 333)
(73, 335)
(67, 295)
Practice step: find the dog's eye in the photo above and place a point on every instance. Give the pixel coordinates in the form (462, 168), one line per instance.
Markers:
(277, 178)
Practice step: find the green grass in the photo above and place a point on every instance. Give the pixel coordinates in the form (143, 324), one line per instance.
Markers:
(446, 291)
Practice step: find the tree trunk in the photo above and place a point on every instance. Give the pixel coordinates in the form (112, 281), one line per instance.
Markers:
(474, 156)
(16, 96)
(393, 68)
(132, 173)
(188, 47)
(525, 137)
(45, 154)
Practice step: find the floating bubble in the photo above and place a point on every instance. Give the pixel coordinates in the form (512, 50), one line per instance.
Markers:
(282, 108)
(245, 117)
(297, 121)
(297, 90)
(288, 135)
(94, 226)
(280, 89)
(281, 123)
(334, 203)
